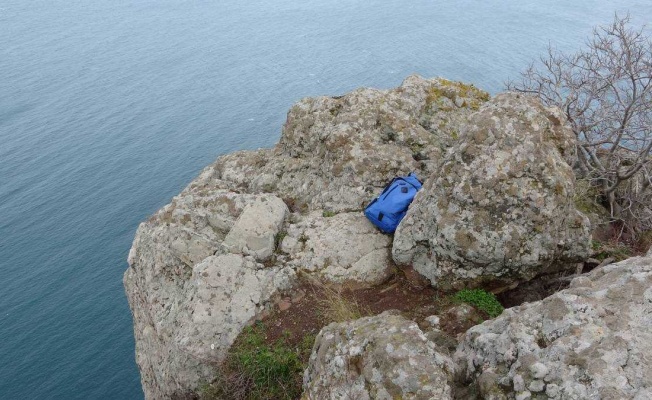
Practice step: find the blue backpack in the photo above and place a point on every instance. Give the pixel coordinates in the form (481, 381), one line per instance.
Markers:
(388, 209)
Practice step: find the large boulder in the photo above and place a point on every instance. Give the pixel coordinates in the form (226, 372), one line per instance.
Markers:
(254, 233)
(343, 249)
(382, 357)
(500, 208)
(590, 341)
(335, 153)
(187, 304)
(496, 209)
(208, 263)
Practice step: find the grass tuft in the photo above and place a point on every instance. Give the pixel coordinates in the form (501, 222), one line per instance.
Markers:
(255, 370)
(334, 307)
(328, 214)
(617, 251)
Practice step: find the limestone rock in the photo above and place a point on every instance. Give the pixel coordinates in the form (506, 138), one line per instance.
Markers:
(335, 153)
(590, 341)
(226, 293)
(501, 208)
(380, 357)
(184, 316)
(496, 208)
(344, 248)
(254, 233)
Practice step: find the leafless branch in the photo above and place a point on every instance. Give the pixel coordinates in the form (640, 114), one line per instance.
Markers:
(605, 90)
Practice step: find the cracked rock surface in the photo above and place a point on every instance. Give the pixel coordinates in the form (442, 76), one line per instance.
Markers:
(345, 248)
(335, 153)
(209, 262)
(189, 305)
(381, 357)
(496, 208)
(590, 341)
(254, 233)
(500, 210)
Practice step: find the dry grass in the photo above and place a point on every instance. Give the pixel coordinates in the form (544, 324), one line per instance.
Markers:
(335, 307)
(333, 304)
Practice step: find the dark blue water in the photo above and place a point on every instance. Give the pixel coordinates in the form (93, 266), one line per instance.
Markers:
(109, 107)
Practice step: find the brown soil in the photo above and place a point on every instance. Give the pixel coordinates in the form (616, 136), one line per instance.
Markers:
(304, 316)
(300, 313)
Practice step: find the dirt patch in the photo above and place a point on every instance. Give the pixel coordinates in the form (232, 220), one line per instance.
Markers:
(305, 316)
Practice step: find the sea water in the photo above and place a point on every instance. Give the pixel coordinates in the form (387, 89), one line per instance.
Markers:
(108, 108)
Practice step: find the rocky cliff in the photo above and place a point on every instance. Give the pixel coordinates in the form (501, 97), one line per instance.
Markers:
(497, 209)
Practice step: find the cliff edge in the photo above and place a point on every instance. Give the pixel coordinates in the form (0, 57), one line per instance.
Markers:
(497, 209)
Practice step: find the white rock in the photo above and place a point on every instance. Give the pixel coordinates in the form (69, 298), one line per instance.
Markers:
(491, 214)
(538, 370)
(591, 341)
(433, 320)
(255, 231)
(344, 248)
(396, 362)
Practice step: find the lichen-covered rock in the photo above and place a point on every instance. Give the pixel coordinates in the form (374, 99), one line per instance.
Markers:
(382, 357)
(254, 233)
(344, 248)
(500, 209)
(335, 153)
(225, 294)
(590, 341)
(496, 208)
(188, 305)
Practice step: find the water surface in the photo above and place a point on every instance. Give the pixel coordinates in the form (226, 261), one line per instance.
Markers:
(108, 108)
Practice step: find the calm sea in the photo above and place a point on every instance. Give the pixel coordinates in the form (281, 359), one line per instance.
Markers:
(108, 108)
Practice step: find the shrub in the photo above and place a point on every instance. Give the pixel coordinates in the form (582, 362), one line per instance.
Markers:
(615, 250)
(605, 90)
(482, 300)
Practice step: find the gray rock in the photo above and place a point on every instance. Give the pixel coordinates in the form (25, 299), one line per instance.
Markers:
(255, 231)
(380, 357)
(196, 278)
(336, 153)
(501, 208)
(590, 341)
(226, 294)
(184, 320)
(344, 248)
(433, 320)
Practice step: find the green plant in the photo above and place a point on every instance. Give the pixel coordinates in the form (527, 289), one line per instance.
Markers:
(305, 347)
(278, 239)
(328, 214)
(257, 370)
(482, 300)
(617, 251)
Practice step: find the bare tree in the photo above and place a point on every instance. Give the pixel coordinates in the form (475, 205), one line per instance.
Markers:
(605, 91)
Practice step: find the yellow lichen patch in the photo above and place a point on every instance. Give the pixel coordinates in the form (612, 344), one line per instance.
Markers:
(471, 96)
